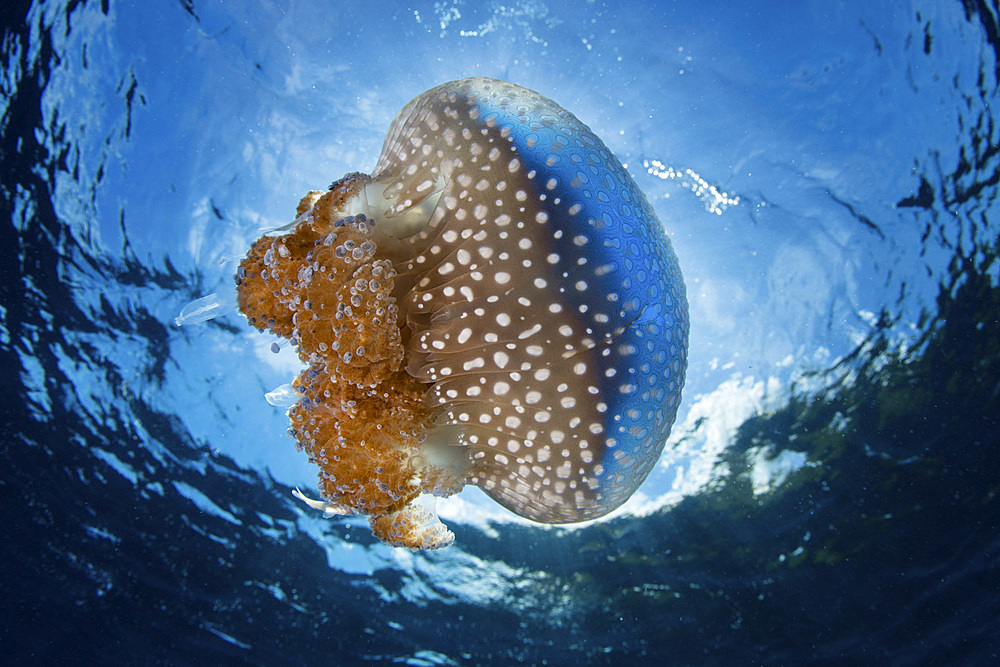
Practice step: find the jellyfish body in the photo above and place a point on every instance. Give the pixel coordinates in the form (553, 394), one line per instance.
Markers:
(497, 304)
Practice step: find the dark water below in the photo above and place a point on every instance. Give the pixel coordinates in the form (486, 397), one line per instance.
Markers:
(134, 534)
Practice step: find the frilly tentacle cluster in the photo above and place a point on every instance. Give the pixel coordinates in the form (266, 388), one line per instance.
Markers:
(360, 417)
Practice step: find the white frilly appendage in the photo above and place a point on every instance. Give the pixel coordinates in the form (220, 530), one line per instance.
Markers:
(206, 308)
(283, 396)
(421, 519)
(326, 508)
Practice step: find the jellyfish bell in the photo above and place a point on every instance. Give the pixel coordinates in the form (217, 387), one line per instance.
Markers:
(496, 304)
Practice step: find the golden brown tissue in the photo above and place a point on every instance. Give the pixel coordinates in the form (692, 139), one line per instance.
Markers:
(361, 418)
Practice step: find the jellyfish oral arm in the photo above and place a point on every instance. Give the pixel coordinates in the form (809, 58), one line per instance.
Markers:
(328, 509)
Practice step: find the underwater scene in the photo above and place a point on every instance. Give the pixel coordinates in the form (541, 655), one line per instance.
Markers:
(492, 333)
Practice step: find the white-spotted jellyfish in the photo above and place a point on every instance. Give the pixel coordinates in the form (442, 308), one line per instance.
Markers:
(497, 304)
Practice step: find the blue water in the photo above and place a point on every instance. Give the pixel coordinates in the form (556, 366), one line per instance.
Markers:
(828, 174)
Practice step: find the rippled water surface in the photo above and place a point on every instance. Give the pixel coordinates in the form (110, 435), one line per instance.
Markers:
(828, 175)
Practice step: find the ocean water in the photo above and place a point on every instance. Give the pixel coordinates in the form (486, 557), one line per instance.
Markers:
(828, 174)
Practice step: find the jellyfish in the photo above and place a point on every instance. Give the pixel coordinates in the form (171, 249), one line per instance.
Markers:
(496, 304)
